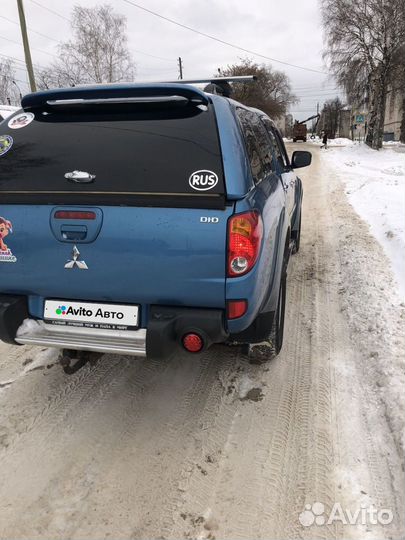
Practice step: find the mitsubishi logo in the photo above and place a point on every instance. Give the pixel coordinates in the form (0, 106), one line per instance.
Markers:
(75, 262)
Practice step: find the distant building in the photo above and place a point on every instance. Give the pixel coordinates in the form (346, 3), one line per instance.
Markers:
(284, 124)
(345, 122)
(393, 115)
(353, 119)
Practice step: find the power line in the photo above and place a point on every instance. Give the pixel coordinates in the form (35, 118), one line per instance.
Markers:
(30, 29)
(69, 20)
(38, 66)
(34, 48)
(316, 87)
(50, 10)
(319, 95)
(153, 56)
(218, 39)
(13, 79)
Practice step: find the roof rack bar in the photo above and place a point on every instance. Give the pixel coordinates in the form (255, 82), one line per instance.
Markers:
(213, 80)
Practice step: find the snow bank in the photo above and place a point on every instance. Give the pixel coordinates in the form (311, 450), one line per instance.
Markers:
(7, 110)
(339, 141)
(393, 143)
(375, 185)
(29, 326)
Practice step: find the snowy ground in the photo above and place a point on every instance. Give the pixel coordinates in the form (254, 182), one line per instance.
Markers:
(375, 185)
(219, 446)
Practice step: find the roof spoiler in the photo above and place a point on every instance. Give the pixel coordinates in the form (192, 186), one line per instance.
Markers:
(115, 93)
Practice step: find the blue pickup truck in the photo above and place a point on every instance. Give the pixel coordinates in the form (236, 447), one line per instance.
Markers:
(144, 219)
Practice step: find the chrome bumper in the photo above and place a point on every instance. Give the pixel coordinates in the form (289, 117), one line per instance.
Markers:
(131, 342)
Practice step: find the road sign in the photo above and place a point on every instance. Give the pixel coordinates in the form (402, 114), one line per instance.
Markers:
(359, 118)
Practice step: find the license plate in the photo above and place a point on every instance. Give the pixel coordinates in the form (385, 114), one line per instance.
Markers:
(91, 314)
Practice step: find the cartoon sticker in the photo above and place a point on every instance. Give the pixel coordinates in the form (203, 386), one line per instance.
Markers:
(5, 251)
(6, 142)
(203, 180)
(21, 120)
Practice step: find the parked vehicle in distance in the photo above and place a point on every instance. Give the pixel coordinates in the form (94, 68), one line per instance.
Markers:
(299, 132)
(144, 219)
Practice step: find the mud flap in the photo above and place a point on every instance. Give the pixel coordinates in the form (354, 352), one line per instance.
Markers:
(13, 310)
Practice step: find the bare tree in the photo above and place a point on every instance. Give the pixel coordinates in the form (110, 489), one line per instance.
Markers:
(271, 92)
(8, 90)
(98, 52)
(362, 41)
(331, 116)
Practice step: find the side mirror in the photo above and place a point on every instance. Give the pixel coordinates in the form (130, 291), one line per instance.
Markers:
(301, 158)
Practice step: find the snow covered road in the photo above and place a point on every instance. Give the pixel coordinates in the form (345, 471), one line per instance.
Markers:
(218, 447)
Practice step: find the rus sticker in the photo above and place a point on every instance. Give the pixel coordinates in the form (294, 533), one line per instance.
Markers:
(21, 120)
(203, 180)
(6, 142)
(5, 252)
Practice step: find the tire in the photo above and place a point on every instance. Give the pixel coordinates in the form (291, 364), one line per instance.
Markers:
(296, 237)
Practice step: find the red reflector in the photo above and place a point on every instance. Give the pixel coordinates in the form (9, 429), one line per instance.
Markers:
(193, 342)
(236, 308)
(245, 233)
(74, 214)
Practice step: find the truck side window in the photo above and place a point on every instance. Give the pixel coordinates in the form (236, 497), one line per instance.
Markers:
(256, 144)
(263, 144)
(279, 150)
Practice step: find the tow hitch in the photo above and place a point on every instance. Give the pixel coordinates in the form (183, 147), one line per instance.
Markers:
(71, 360)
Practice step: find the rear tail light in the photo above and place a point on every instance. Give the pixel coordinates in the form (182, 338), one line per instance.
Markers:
(236, 308)
(74, 214)
(245, 233)
(192, 342)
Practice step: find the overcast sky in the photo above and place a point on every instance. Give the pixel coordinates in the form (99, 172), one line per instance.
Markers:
(286, 30)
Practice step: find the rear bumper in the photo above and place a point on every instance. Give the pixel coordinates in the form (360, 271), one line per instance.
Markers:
(82, 339)
(162, 337)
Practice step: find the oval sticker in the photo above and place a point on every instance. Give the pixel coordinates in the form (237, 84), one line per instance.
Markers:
(203, 180)
(6, 142)
(21, 120)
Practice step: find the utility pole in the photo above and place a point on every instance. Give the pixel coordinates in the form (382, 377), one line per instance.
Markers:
(180, 68)
(26, 45)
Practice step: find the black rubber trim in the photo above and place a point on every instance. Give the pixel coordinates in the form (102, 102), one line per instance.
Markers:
(215, 202)
(13, 310)
(167, 325)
